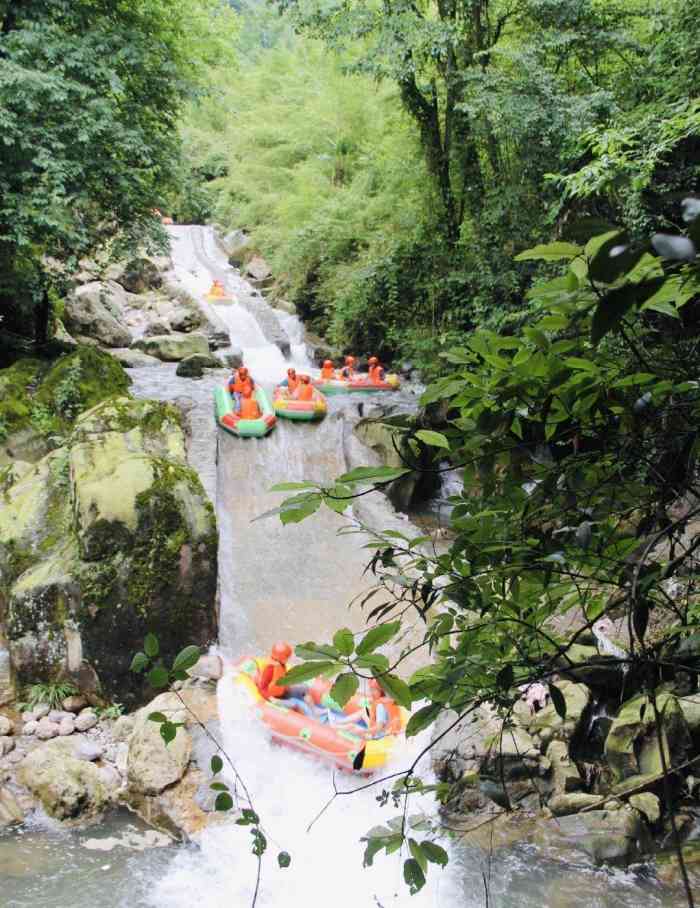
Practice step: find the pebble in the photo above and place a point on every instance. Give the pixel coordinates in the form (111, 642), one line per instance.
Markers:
(30, 727)
(58, 715)
(46, 729)
(74, 704)
(28, 716)
(41, 710)
(87, 719)
(66, 726)
(16, 756)
(6, 745)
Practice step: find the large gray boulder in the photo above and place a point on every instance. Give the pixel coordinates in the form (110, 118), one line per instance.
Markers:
(133, 359)
(237, 245)
(194, 366)
(68, 788)
(140, 274)
(173, 347)
(153, 765)
(94, 311)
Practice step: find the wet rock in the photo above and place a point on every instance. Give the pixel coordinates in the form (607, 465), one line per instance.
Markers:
(46, 729)
(233, 358)
(94, 311)
(608, 837)
(585, 665)
(258, 272)
(565, 776)
(68, 788)
(185, 320)
(133, 359)
(511, 755)
(10, 810)
(66, 726)
(85, 721)
(205, 798)
(285, 306)
(6, 726)
(237, 246)
(152, 765)
(208, 666)
(122, 728)
(173, 347)
(156, 329)
(632, 747)
(194, 366)
(647, 804)
(75, 703)
(564, 804)
(577, 698)
(320, 350)
(141, 274)
(218, 337)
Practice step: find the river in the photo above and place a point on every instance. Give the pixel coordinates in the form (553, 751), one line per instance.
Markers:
(295, 583)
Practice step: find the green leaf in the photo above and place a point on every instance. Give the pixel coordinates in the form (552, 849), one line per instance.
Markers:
(294, 510)
(168, 730)
(217, 764)
(151, 645)
(344, 688)
(418, 854)
(157, 717)
(585, 365)
(434, 439)
(423, 718)
(317, 651)
(248, 817)
(344, 641)
(435, 853)
(505, 677)
(397, 689)
(558, 701)
(373, 660)
(139, 662)
(218, 786)
(305, 672)
(293, 486)
(284, 859)
(413, 875)
(158, 677)
(640, 619)
(373, 474)
(223, 802)
(551, 252)
(616, 304)
(186, 658)
(377, 637)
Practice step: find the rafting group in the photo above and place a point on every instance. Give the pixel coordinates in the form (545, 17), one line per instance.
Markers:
(244, 409)
(359, 736)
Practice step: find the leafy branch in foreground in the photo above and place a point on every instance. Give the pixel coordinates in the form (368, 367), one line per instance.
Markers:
(227, 799)
(578, 442)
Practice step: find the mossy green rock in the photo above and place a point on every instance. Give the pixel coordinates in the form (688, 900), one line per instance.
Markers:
(632, 747)
(173, 347)
(577, 698)
(105, 539)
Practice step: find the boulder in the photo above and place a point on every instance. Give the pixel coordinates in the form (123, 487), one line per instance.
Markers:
(133, 359)
(94, 311)
(233, 357)
(156, 329)
(7, 744)
(173, 347)
(512, 755)
(585, 665)
(563, 804)
(122, 728)
(85, 749)
(606, 836)
(10, 810)
(285, 306)
(74, 704)
(258, 272)
(237, 245)
(46, 729)
(320, 350)
(152, 765)
(647, 804)
(194, 366)
(66, 726)
(86, 720)
(141, 274)
(185, 320)
(690, 707)
(58, 715)
(7, 726)
(7, 681)
(578, 700)
(29, 728)
(209, 667)
(632, 748)
(68, 788)
(565, 776)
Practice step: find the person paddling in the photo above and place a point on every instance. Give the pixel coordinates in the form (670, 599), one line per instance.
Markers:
(305, 391)
(249, 407)
(292, 380)
(376, 370)
(348, 370)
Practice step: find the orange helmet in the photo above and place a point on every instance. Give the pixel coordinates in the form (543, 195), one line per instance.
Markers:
(373, 360)
(281, 651)
(328, 363)
(305, 378)
(350, 360)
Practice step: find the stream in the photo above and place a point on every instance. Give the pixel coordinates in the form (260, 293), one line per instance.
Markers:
(291, 583)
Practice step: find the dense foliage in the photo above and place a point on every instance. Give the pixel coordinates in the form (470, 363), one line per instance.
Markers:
(89, 126)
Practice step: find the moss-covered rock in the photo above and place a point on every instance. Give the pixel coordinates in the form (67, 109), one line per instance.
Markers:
(105, 539)
(173, 347)
(16, 383)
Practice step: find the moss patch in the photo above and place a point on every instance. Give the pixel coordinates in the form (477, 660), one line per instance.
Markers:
(16, 384)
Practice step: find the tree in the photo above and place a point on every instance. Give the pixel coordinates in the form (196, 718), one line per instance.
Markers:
(90, 93)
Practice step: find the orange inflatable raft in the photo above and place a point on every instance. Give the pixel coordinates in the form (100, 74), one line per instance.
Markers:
(349, 746)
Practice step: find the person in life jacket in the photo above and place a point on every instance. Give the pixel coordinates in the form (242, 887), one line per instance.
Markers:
(384, 713)
(348, 370)
(305, 391)
(267, 679)
(239, 382)
(327, 371)
(249, 408)
(376, 372)
(292, 380)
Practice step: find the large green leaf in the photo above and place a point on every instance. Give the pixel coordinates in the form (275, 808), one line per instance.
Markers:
(551, 252)
(305, 672)
(397, 689)
(344, 641)
(434, 439)
(345, 686)
(377, 637)
(373, 474)
(422, 719)
(186, 658)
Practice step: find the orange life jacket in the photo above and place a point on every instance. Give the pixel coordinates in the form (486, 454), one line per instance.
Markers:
(272, 672)
(393, 724)
(376, 374)
(243, 386)
(306, 392)
(249, 408)
(292, 384)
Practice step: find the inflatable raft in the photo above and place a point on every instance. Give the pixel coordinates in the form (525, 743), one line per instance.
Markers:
(346, 747)
(299, 410)
(230, 421)
(217, 294)
(342, 386)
